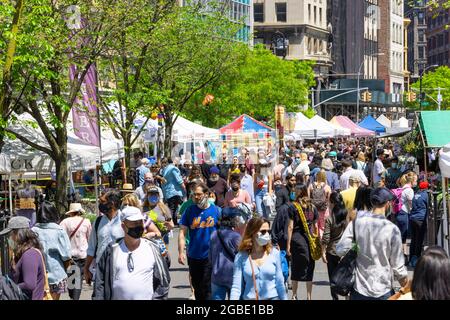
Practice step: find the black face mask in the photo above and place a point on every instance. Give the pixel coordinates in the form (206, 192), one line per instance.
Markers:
(136, 232)
(235, 188)
(105, 208)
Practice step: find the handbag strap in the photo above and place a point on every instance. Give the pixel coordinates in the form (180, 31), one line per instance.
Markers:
(46, 285)
(253, 276)
(76, 229)
(354, 230)
(303, 219)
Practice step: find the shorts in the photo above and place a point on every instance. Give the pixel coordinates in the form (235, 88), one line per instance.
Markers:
(59, 287)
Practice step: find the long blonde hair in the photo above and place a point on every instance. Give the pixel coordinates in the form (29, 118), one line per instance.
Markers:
(131, 200)
(321, 177)
(408, 178)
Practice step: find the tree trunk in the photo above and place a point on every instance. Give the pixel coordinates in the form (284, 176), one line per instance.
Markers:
(61, 176)
(127, 147)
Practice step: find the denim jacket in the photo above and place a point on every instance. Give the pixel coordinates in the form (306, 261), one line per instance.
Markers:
(173, 186)
(56, 249)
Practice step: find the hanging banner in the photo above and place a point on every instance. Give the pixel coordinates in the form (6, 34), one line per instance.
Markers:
(85, 112)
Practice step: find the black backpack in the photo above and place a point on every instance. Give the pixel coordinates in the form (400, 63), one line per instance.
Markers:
(9, 290)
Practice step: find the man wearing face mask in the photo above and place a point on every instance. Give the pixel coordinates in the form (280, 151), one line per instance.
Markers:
(106, 229)
(132, 268)
(217, 185)
(148, 181)
(392, 174)
(201, 221)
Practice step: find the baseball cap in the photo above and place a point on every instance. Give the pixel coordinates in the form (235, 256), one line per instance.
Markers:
(333, 154)
(16, 223)
(130, 213)
(423, 185)
(380, 196)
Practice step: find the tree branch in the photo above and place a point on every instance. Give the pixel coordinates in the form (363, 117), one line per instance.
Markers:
(30, 143)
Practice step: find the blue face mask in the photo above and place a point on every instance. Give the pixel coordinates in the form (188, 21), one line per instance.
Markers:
(153, 199)
(292, 196)
(394, 165)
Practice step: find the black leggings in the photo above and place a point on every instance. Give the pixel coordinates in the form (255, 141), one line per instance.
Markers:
(331, 266)
(200, 271)
(173, 204)
(418, 230)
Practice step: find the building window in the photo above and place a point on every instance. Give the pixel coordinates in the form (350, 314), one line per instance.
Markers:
(280, 9)
(320, 16)
(315, 14)
(309, 13)
(421, 53)
(258, 12)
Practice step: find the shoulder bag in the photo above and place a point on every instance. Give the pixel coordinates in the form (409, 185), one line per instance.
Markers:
(76, 229)
(47, 295)
(342, 280)
(315, 247)
(253, 276)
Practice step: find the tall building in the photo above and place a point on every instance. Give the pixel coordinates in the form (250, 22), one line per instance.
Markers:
(406, 72)
(438, 37)
(297, 29)
(417, 37)
(354, 37)
(391, 46)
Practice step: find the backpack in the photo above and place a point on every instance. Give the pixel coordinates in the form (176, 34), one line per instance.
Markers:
(319, 199)
(397, 203)
(9, 290)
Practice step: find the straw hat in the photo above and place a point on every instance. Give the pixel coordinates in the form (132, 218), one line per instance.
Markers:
(75, 207)
(127, 188)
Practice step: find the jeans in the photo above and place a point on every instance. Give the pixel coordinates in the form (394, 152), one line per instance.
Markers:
(331, 266)
(260, 207)
(355, 295)
(219, 292)
(200, 271)
(402, 220)
(75, 279)
(418, 230)
(173, 204)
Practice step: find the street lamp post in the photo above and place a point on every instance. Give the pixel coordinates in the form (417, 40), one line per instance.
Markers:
(421, 76)
(359, 75)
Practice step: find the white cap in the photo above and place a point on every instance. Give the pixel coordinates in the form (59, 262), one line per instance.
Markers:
(130, 213)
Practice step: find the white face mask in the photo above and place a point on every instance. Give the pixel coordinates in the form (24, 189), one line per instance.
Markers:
(263, 239)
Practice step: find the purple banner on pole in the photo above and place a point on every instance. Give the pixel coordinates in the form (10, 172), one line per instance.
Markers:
(85, 112)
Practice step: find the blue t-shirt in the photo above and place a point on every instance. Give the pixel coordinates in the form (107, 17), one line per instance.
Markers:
(201, 224)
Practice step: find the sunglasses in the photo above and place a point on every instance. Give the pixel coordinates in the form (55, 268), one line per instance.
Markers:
(263, 232)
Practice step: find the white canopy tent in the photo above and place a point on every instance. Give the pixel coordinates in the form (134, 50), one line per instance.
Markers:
(82, 156)
(400, 123)
(384, 121)
(444, 165)
(185, 130)
(319, 122)
(5, 169)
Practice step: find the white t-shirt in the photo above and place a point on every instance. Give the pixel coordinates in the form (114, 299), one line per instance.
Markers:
(138, 283)
(378, 169)
(407, 198)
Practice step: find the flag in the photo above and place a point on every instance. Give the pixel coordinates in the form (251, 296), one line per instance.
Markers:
(85, 112)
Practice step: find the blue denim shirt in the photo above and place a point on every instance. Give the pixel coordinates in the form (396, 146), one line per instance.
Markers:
(56, 249)
(172, 187)
(108, 231)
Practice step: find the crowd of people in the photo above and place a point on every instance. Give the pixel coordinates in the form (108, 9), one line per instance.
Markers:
(248, 229)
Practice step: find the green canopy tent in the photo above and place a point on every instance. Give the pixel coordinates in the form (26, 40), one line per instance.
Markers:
(434, 127)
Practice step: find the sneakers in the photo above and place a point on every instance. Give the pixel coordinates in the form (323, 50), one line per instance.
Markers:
(192, 297)
(294, 297)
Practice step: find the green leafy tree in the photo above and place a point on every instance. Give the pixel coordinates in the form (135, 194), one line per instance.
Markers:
(55, 35)
(256, 83)
(431, 81)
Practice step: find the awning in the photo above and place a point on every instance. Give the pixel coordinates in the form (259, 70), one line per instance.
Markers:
(435, 127)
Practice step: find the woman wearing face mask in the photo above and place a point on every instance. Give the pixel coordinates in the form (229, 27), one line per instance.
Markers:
(158, 214)
(291, 182)
(55, 247)
(257, 272)
(298, 244)
(27, 265)
(236, 195)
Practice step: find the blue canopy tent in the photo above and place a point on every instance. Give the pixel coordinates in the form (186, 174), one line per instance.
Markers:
(370, 123)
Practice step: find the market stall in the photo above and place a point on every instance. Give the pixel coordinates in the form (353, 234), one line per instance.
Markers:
(371, 124)
(356, 131)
